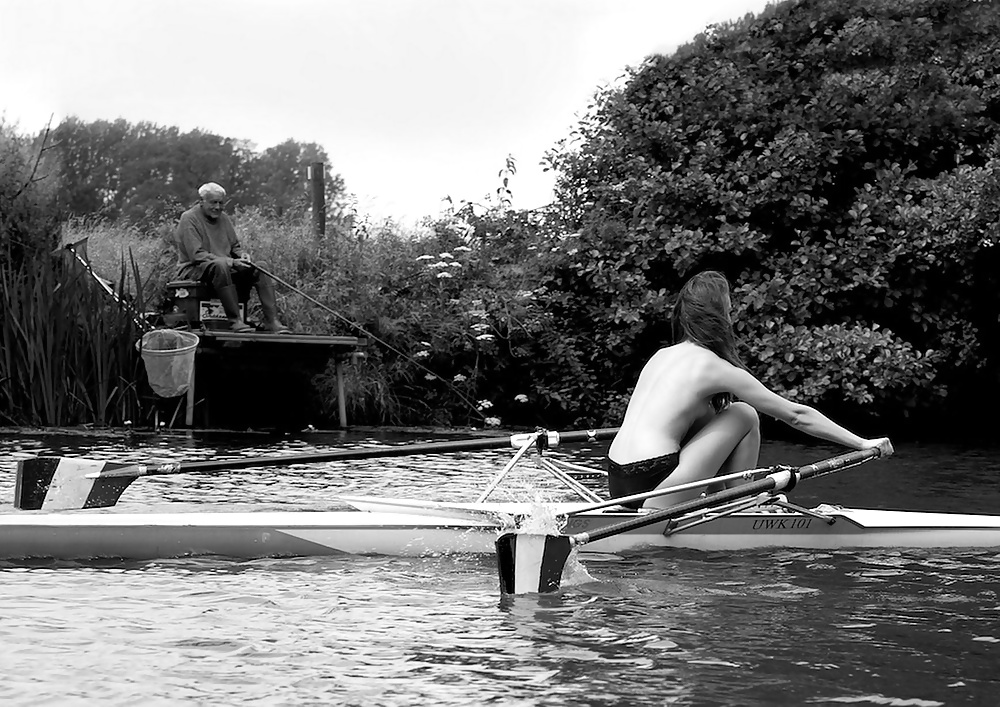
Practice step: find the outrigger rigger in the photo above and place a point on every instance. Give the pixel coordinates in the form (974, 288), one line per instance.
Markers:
(410, 527)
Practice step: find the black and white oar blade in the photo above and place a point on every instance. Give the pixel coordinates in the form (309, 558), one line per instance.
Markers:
(63, 483)
(531, 563)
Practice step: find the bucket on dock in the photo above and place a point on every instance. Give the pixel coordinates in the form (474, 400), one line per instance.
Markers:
(169, 358)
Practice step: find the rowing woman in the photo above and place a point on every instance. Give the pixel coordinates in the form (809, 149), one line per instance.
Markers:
(682, 423)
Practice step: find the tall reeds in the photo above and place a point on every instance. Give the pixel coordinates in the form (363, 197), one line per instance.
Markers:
(67, 346)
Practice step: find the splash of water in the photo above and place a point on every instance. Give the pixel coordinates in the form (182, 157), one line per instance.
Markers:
(575, 573)
(542, 518)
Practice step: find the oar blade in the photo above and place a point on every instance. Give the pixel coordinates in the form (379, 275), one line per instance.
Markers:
(531, 563)
(65, 483)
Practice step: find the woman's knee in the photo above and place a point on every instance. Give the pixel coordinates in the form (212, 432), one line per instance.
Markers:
(744, 417)
(746, 414)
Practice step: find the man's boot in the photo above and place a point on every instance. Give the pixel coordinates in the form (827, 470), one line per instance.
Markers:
(231, 303)
(265, 290)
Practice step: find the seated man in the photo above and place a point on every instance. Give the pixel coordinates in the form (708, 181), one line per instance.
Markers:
(208, 250)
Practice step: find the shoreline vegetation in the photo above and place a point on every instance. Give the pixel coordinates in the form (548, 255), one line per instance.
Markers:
(839, 161)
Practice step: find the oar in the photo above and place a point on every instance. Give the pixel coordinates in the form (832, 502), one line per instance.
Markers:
(63, 483)
(533, 563)
(747, 475)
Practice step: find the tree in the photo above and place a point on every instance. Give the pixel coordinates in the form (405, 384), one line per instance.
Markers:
(29, 208)
(837, 159)
(144, 172)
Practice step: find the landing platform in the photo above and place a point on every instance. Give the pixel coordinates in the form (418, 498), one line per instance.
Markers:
(259, 380)
(229, 338)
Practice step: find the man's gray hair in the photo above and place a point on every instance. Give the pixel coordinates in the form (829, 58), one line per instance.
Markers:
(211, 188)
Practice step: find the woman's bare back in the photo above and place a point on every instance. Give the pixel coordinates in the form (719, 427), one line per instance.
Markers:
(673, 395)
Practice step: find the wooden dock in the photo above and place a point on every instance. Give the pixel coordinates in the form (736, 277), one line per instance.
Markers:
(260, 380)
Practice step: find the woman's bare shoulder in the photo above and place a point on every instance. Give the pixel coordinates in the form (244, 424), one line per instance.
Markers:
(712, 372)
(684, 362)
(670, 357)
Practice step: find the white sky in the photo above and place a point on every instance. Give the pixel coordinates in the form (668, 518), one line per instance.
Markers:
(413, 100)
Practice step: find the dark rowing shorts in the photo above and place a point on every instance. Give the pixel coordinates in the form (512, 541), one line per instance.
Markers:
(639, 477)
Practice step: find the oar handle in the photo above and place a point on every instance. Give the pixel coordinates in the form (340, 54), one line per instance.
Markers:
(827, 466)
(776, 481)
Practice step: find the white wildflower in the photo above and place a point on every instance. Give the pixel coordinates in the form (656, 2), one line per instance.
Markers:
(455, 264)
(492, 422)
(484, 405)
(485, 337)
(463, 249)
(520, 398)
(459, 378)
(445, 256)
(421, 354)
(430, 377)
(425, 257)
(444, 274)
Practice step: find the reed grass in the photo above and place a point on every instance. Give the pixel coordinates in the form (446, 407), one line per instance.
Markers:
(67, 356)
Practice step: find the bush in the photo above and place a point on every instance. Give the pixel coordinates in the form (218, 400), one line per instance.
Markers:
(837, 160)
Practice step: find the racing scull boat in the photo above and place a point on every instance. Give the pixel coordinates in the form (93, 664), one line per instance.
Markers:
(407, 527)
(94, 534)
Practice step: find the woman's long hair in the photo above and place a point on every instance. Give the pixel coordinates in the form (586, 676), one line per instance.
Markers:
(701, 315)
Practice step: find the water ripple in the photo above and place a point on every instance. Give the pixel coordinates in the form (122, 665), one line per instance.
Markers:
(785, 627)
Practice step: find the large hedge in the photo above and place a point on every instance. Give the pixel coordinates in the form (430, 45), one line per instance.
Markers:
(838, 159)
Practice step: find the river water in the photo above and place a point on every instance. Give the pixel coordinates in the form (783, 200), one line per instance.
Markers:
(786, 627)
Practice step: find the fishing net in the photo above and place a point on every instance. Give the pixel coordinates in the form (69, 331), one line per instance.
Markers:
(169, 358)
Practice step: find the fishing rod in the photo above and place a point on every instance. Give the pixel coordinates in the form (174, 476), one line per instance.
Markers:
(367, 333)
(139, 320)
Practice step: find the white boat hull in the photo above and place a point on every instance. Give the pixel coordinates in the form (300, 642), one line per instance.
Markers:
(852, 528)
(456, 529)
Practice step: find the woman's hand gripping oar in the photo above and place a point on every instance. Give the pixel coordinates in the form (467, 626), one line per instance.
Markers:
(65, 483)
(531, 563)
